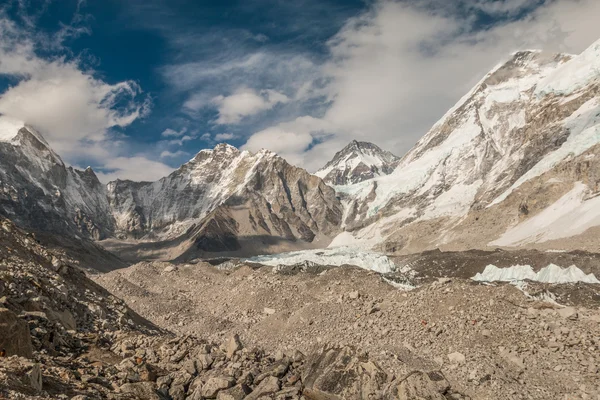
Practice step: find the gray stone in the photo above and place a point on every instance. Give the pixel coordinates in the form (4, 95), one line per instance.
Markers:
(233, 344)
(568, 313)
(215, 385)
(269, 385)
(14, 335)
(35, 377)
(456, 358)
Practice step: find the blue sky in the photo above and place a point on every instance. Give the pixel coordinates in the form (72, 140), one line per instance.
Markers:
(135, 88)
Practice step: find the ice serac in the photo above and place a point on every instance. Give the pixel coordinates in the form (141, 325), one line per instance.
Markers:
(513, 146)
(357, 162)
(40, 193)
(227, 200)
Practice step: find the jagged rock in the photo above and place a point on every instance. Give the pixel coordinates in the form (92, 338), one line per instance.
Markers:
(15, 338)
(268, 386)
(142, 390)
(35, 377)
(215, 385)
(233, 344)
(338, 373)
(419, 385)
(205, 361)
(238, 392)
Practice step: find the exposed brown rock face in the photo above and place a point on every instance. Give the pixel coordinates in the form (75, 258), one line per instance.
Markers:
(14, 335)
(225, 200)
(224, 195)
(39, 192)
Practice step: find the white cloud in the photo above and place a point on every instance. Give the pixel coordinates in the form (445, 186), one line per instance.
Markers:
(73, 108)
(173, 133)
(219, 137)
(396, 69)
(173, 154)
(246, 102)
(135, 168)
(291, 139)
(180, 141)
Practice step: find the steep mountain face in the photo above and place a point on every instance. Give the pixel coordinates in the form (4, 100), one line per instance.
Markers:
(357, 162)
(514, 146)
(39, 192)
(222, 200)
(224, 195)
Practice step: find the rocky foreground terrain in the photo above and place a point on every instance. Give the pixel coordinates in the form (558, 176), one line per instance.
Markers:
(245, 331)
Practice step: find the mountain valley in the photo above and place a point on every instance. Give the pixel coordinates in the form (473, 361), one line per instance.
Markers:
(466, 269)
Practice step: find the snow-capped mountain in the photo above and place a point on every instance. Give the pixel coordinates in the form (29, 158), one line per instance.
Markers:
(513, 163)
(224, 199)
(221, 200)
(357, 162)
(39, 192)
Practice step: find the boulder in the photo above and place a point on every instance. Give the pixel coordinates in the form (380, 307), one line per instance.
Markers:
(141, 390)
(268, 386)
(233, 344)
(567, 313)
(15, 337)
(456, 358)
(214, 385)
(35, 377)
(338, 373)
(238, 392)
(419, 385)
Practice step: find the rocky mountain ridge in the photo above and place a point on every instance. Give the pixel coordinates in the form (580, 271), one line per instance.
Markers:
(357, 162)
(513, 147)
(514, 163)
(221, 200)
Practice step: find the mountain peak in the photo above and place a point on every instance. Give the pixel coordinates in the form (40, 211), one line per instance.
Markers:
(356, 162)
(9, 128)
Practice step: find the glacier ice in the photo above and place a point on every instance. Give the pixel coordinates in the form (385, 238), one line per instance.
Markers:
(332, 256)
(550, 274)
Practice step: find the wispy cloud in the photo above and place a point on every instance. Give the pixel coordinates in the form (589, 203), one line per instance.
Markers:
(219, 137)
(395, 69)
(173, 133)
(245, 102)
(70, 105)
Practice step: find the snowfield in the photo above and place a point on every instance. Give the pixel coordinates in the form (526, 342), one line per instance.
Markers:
(334, 256)
(550, 274)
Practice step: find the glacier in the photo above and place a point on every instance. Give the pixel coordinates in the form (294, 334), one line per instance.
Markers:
(337, 256)
(550, 274)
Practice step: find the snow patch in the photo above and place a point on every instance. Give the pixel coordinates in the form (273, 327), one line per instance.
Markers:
(550, 274)
(574, 74)
(336, 256)
(570, 215)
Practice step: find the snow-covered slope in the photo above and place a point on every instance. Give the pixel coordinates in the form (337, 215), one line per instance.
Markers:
(221, 200)
(470, 177)
(224, 194)
(39, 192)
(357, 162)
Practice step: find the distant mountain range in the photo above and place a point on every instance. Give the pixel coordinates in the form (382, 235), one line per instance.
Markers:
(514, 163)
